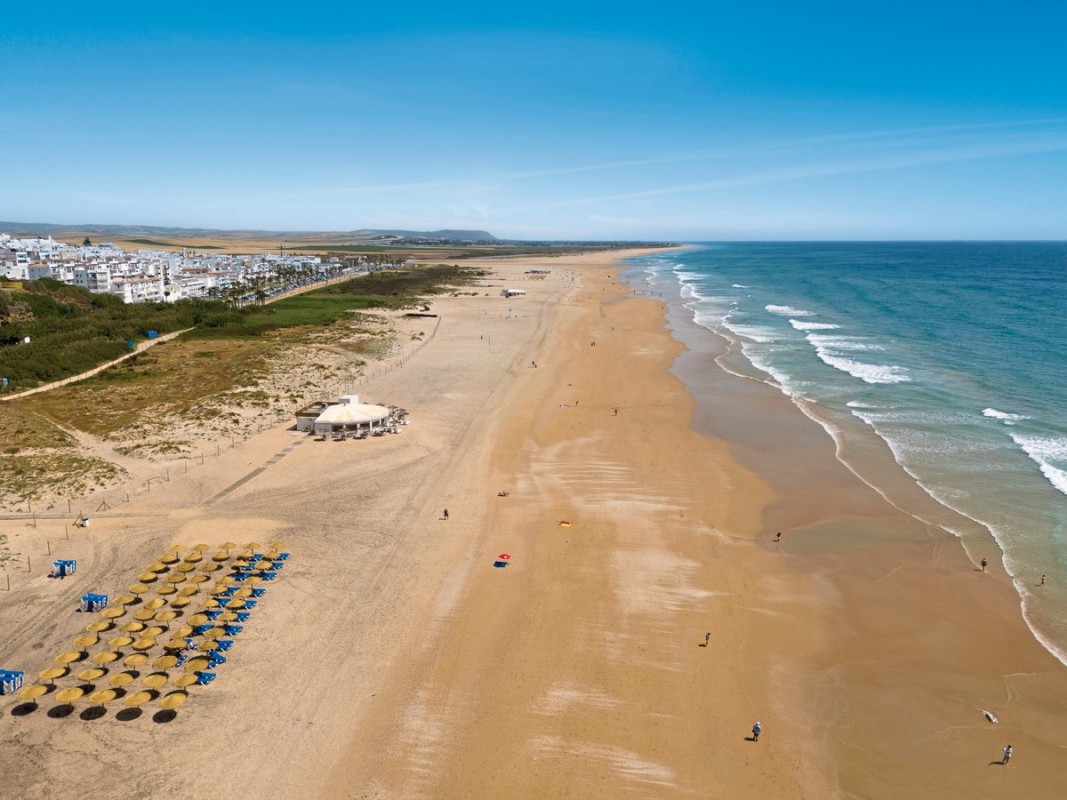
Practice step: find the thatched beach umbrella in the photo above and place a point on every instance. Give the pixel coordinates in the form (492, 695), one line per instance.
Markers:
(210, 566)
(157, 680)
(228, 545)
(91, 674)
(51, 673)
(165, 662)
(143, 614)
(144, 644)
(184, 680)
(155, 603)
(68, 657)
(66, 696)
(133, 627)
(135, 660)
(202, 547)
(153, 632)
(166, 589)
(138, 699)
(124, 599)
(173, 700)
(176, 577)
(114, 612)
(146, 577)
(120, 641)
(34, 691)
(138, 588)
(158, 566)
(98, 698)
(169, 558)
(85, 641)
(120, 680)
(196, 665)
(97, 627)
(105, 657)
(180, 602)
(166, 616)
(185, 568)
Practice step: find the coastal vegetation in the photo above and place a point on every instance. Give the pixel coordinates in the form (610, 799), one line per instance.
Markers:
(235, 369)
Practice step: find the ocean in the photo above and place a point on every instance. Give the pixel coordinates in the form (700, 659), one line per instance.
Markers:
(949, 356)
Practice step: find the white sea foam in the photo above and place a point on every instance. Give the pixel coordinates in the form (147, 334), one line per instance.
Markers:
(813, 326)
(787, 311)
(1043, 451)
(838, 343)
(868, 373)
(757, 333)
(1004, 416)
(738, 286)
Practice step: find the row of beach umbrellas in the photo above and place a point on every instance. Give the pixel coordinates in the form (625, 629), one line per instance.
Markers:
(150, 620)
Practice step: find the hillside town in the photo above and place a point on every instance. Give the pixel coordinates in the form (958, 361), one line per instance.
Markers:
(153, 276)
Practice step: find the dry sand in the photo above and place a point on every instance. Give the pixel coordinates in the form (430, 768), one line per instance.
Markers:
(390, 659)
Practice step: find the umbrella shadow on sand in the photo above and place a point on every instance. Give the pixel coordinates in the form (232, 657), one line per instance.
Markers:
(61, 711)
(165, 716)
(128, 714)
(24, 709)
(93, 712)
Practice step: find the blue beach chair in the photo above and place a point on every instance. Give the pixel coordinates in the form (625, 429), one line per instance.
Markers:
(204, 678)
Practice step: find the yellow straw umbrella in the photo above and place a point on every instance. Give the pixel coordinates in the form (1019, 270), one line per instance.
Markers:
(166, 589)
(120, 641)
(138, 588)
(125, 599)
(135, 660)
(198, 619)
(202, 547)
(174, 644)
(102, 696)
(34, 691)
(138, 699)
(235, 604)
(228, 546)
(185, 567)
(188, 591)
(194, 558)
(220, 556)
(155, 603)
(147, 577)
(165, 616)
(169, 558)
(88, 640)
(157, 680)
(196, 665)
(173, 700)
(68, 657)
(153, 632)
(180, 602)
(66, 696)
(143, 614)
(120, 680)
(213, 633)
(183, 630)
(114, 612)
(91, 674)
(175, 548)
(165, 662)
(144, 644)
(176, 577)
(186, 679)
(210, 566)
(209, 602)
(207, 646)
(133, 627)
(51, 673)
(227, 616)
(241, 594)
(158, 567)
(105, 657)
(277, 545)
(97, 627)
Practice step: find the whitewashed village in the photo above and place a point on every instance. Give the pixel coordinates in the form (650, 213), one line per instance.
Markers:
(153, 276)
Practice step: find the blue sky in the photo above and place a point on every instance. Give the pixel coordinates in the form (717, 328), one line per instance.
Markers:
(683, 121)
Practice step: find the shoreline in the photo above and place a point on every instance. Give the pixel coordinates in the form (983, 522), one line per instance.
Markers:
(845, 531)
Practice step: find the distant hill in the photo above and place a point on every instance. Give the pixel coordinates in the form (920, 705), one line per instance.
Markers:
(362, 235)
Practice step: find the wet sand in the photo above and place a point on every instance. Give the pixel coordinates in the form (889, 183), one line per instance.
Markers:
(392, 659)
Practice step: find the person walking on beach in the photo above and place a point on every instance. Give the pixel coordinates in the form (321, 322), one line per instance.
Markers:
(707, 638)
(778, 536)
(984, 562)
(1042, 581)
(1007, 755)
(445, 515)
(757, 729)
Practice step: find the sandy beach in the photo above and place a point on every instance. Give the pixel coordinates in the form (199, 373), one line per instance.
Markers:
(392, 659)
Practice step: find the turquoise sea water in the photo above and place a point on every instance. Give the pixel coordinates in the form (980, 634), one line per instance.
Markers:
(951, 355)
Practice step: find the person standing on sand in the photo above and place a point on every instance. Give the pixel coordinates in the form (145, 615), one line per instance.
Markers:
(984, 562)
(1042, 581)
(1007, 755)
(778, 536)
(707, 638)
(445, 515)
(757, 729)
